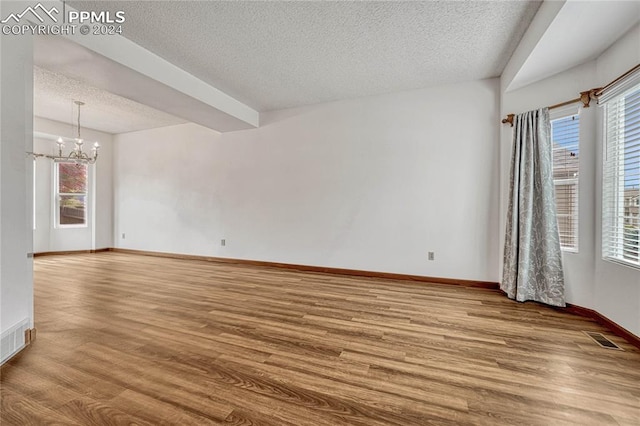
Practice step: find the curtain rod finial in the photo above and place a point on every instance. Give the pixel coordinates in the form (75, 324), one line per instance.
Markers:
(585, 98)
(589, 95)
(509, 119)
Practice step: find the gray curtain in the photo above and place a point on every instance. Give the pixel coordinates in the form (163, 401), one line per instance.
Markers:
(532, 256)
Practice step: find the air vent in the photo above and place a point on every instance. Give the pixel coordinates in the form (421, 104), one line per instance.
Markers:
(12, 340)
(602, 341)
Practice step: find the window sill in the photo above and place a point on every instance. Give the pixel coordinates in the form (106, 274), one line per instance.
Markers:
(71, 226)
(621, 262)
(569, 250)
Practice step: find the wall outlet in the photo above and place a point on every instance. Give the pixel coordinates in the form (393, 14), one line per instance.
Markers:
(431, 255)
(223, 242)
(123, 236)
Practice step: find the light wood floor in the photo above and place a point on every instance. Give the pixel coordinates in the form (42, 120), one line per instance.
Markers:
(129, 339)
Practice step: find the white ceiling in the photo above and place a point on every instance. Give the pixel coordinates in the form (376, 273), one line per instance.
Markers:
(273, 55)
(53, 97)
(580, 32)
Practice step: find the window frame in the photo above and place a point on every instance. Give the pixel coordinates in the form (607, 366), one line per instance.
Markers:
(34, 189)
(569, 111)
(614, 204)
(57, 197)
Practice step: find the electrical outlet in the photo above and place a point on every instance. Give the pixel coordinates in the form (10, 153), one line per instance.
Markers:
(223, 242)
(123, 236)
(432, 255)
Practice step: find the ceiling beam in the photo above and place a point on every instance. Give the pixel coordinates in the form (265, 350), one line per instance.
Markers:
(538, 26)
(118, 65)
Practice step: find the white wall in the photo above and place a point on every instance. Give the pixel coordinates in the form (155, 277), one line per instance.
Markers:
(16, 106)
(617, 288)
(99, 230)
(372, 183)
(610, 289)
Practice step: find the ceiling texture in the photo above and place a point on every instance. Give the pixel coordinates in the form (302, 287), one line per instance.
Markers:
(274, 55)
(53, 97)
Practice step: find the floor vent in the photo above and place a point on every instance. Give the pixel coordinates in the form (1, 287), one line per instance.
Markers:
(603, 341)
(12, 340)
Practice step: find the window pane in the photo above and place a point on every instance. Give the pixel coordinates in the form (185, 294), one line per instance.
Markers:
(621, 179)
(566, 161)
(631, 180)
(72, 209)
(566, 206)
(565, 147)
(72, 178)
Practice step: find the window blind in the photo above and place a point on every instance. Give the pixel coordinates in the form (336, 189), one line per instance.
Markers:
(565, 133)
(621, 176)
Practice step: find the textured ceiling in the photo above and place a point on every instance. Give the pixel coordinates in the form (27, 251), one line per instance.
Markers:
(53, 97)
(273, 55)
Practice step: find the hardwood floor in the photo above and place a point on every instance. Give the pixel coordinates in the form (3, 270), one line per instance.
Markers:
(129, 339)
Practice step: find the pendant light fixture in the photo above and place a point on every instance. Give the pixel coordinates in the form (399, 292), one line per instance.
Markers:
(77, 155)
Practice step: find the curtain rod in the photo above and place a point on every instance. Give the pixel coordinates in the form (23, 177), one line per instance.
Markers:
(585, 97)
(631, 71)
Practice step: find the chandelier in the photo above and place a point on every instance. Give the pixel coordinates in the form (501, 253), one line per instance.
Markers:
(76, 155)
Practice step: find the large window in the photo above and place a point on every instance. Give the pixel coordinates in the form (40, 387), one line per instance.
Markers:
(621, 177)
(566, 160)
(71, 194)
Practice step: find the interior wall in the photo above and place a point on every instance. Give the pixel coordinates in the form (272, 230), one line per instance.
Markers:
(617, 288)
(99, 231)
(610, 289)
(372, 183)
(16, 109)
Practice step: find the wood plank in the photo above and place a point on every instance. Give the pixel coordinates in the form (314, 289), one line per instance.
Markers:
(131, 339)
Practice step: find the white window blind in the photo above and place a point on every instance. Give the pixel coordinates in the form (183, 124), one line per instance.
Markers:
(621, 174)
(565, 133)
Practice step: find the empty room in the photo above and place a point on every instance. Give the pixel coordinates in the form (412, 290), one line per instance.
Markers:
(320, 213)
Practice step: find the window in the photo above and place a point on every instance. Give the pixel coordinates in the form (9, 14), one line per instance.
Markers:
(34, 188)
(71, 194)
(565, 133)
(621, 176)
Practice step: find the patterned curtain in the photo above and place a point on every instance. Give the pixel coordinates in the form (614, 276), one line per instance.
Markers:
(532, 256)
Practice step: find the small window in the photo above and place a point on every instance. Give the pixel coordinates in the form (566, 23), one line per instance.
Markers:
(621, 178)
(566, 168)
(34, 188)
(71, 194)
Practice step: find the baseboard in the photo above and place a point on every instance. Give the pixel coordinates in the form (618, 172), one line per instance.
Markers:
(321, 269)
(614, 327)
(29, 336)
(56, 253)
